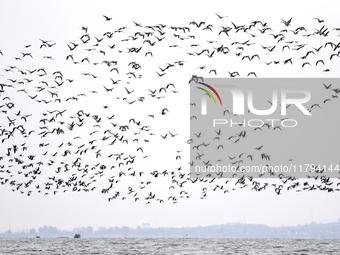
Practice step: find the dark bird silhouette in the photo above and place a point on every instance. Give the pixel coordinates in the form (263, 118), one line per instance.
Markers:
(107, 18)
(129, 92)
(327, 87)
(286, 23)
(319, 61)
(319, 20)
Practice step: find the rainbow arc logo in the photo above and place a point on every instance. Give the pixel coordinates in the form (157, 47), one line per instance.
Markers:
(212, 89)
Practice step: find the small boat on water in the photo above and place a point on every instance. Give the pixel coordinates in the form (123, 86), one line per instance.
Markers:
(77, 236)
(37, 236)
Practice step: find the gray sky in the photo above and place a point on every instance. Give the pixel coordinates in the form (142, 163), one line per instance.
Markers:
(23, 23)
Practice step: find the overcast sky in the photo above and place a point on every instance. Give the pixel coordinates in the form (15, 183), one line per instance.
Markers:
(23, 22)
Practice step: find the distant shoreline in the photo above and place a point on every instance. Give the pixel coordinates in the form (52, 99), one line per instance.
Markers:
(225, 231)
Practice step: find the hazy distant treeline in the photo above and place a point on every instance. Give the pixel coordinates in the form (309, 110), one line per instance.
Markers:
(235, 230)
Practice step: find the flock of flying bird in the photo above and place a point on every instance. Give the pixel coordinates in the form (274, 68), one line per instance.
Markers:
(91, 133)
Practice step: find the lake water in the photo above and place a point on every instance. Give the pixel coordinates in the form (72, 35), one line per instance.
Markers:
(166, 246)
